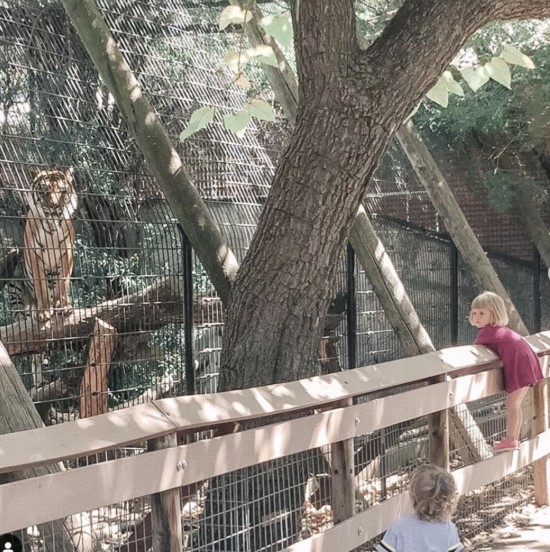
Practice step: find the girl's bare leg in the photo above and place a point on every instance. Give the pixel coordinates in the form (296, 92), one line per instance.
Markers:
(514, 417)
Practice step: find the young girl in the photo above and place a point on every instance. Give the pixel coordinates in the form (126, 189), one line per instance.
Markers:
(429, 529)
(520, 364)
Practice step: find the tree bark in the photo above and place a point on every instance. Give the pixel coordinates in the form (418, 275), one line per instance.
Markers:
(162, 158)
(460, 231)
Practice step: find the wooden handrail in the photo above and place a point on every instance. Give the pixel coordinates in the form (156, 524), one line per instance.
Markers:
(200, 412)
(115, 481)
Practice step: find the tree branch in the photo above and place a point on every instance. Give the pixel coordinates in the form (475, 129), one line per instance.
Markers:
(425, 35)
(147, 309)
(155, 144)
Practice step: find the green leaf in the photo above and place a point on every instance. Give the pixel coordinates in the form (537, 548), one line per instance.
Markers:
(476, 77)
(234, 14)
(499, 71)
(279, 27)
(452, 86)
(236, 61)
(263, 53)
(259, 109)
(439, 93)
(513, 56)
(199, 119)
(237, 122)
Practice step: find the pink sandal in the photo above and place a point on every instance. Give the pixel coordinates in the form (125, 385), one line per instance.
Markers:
(504, 445)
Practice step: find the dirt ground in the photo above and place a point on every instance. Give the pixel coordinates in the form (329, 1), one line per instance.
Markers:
(526, 531)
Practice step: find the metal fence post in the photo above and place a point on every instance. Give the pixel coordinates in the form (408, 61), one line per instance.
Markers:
(188, 298)
(454, 293)
(351, 309)
(537, 316)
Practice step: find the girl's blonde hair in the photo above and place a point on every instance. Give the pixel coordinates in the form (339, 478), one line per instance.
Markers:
(433, 493)
(491, 302)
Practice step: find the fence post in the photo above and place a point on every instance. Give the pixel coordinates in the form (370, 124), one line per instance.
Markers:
(438, 430)
(166, 507)
(454, 293)
(342, 464)
(351, 309)
(188, 315)
(342, 461)
(93, 387)
(541, 468)
(536, 291)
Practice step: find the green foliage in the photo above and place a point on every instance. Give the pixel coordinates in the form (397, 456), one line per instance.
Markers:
(199, 119)
(502, 189)
(522, 113)
(236, 61)
(237, 122)
(177, 58)
(280, 28)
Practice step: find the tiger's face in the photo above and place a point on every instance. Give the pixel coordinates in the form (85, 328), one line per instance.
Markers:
(54, 191)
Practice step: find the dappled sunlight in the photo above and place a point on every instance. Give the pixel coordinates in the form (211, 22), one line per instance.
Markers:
(228, 260)
(460, 357)
(81, 437)
(540, 342)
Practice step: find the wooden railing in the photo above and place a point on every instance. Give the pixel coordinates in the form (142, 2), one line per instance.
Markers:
(328, 418)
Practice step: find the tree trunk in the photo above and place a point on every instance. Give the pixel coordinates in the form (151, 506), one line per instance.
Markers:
(17, 413)
(162, 158)
(461, 233)
(350, 104)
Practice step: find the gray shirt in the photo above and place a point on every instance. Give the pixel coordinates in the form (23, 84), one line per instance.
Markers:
(410, 534)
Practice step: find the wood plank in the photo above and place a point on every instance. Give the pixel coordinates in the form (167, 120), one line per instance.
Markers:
(98, 485)
(139, 423)
(200, 411)
(82, 437)
(541, 468)
(438, 435)
(342, 472)
(142, 422)
(93, 387)
(372, 522)
(166, 507)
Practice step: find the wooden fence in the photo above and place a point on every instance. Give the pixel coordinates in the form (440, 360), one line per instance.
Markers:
(329, 418)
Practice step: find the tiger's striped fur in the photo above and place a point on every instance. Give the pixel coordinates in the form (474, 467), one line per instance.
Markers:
(49, 239)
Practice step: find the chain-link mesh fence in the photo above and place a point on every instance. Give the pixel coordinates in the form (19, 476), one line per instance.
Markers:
(127, 253)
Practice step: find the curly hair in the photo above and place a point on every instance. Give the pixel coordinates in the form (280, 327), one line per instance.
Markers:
(433, 493)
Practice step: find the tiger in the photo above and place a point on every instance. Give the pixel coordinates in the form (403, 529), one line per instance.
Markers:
(49, 239)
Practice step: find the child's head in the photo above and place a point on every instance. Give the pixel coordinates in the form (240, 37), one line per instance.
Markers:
(433, 493)
(488, 303)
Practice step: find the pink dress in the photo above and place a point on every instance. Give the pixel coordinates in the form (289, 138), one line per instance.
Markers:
(520, 364)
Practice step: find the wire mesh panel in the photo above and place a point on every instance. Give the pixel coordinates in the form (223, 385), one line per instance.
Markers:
(92, 262)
